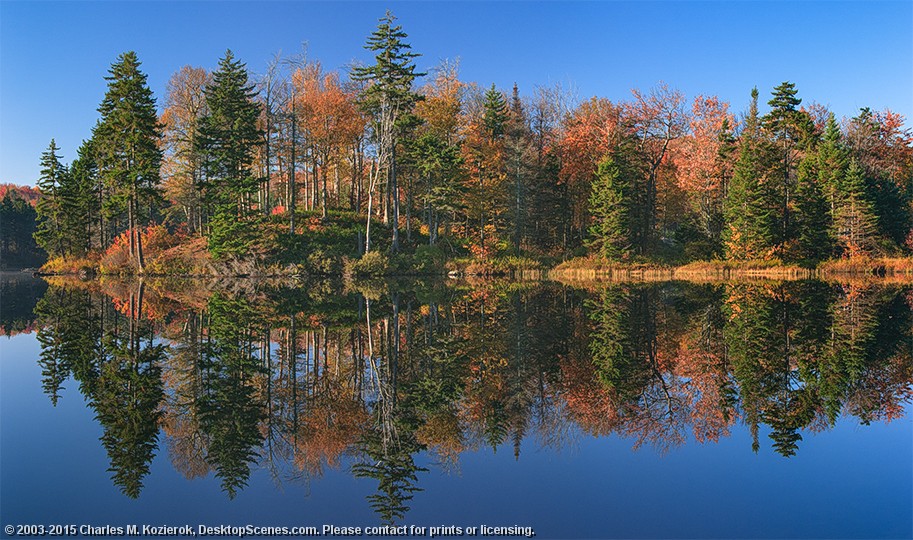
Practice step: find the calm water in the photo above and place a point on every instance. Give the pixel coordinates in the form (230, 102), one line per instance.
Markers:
(753, 410)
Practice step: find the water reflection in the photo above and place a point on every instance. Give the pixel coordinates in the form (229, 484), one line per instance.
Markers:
(371, 375)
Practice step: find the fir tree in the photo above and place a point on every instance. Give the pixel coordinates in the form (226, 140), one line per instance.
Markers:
(750, 227)
(832, 157)
(126, 147)
(519, 149)
(389, 99)
(610, 200)
(50, 209)
(228, 140)
(855, 222)
(495, 115)
(81, 199)
(813, 220)
(782, 124)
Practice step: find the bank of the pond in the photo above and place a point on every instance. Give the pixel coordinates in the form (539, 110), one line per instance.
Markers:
(590, 269)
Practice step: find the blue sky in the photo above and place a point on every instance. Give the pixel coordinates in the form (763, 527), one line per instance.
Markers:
(845, 54)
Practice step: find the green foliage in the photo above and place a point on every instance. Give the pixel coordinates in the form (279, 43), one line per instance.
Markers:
(495, 114)
(18, 248)
(390, 77)
(813, 218)
(855, 222)
(373, 263)
(428, 260)
(228, 139)
(750, 222)
(323, 263)
(610, 200)
(49, 232)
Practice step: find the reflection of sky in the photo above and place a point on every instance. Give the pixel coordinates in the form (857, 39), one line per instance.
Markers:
(851, 482)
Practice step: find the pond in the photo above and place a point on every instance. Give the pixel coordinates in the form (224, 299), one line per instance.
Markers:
(662, 410)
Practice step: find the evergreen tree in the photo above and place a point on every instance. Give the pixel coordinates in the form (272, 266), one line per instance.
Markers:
(610, 201)
(49, 233)
(855, 221)
(750, 226)
(228, 140)
(81, 200)
(813, 219)
(784, 125)
(17, 243)
(126, 147)
(832, 157)
(389, 98)
(495, 115)
(519, 151)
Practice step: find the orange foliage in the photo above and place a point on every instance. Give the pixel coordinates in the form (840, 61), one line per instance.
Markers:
(697, 156)
(591, 132)
(27, 193)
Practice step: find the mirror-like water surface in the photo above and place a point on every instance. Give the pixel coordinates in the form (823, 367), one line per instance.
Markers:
(636, 410)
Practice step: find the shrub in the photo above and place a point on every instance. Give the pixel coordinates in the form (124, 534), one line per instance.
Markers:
(428, 260)
(373, 263)
(321, 263)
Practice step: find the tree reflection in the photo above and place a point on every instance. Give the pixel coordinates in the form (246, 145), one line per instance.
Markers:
(370, 375)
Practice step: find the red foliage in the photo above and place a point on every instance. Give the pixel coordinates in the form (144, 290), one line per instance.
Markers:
(27, 193)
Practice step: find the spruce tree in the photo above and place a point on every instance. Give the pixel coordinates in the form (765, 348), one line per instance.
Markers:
(749, 230)
(80, 197)
(127, 147)
(518, 151)
(50, 209)
(389, 98)
(610, 200)
(813, 218)
(832, 158)
(855, 222)
(495, 115)
(228, 140)
(782, 124)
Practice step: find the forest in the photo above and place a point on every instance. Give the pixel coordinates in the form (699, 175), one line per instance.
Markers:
(369, 376)
(384, 169)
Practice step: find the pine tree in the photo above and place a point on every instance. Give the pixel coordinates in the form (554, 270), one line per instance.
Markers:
(832, 157)
(17, 243)
(81, 199)
(750, 226)
(782, 124)
(126, 147)
(519, 149)
(813, 220)
(50, 210)
(495, 115)
(228, 140)
(389, 99)
(855, 222)
(610, 200)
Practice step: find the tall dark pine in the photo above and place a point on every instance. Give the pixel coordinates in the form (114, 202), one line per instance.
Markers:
(813, 218)
(228, 139)
(495, 115)
(126, 144)
(788, 129)
(389, 98)
(519, 150)
(749, 227)
(81, 200)
(49, 230)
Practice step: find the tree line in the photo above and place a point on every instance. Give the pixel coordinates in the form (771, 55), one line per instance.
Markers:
(296, 380)
(473, 171)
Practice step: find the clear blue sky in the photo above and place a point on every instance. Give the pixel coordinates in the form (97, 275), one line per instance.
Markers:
(54, 55)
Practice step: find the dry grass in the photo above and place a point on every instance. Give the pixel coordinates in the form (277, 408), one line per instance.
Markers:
(705, 271)
(883, 267)
(582, 270)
